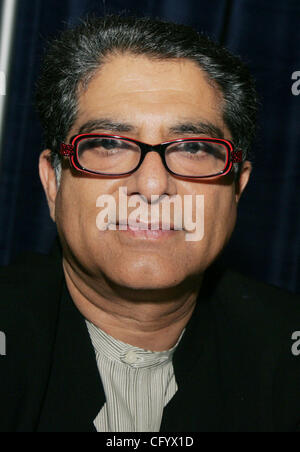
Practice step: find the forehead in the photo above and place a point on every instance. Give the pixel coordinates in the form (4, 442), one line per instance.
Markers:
(150, 92)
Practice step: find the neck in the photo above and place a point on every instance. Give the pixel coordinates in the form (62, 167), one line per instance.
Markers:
(149, 319)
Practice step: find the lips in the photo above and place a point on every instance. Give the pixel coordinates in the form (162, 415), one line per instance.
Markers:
(141, 226)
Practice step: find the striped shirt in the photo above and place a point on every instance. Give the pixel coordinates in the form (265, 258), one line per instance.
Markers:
(137, 383)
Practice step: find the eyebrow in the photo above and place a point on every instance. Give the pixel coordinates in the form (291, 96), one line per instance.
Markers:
(197, 128)
(181, 128)
(107, 125)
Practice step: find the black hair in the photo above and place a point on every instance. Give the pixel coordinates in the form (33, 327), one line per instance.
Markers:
(75, 56)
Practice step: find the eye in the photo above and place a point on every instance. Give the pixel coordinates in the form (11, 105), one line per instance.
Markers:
(198, 149)
(193, 147)
(107, 155)
(104, 144)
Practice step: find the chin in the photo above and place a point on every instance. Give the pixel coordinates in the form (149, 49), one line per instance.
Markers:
(145, 281)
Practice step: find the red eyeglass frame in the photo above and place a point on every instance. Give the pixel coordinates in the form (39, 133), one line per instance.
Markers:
(71, 151)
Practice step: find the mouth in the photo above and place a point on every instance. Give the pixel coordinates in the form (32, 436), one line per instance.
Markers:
(141, 226)
(146, 231)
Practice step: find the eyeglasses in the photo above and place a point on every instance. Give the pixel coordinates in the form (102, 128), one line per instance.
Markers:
(112, 155)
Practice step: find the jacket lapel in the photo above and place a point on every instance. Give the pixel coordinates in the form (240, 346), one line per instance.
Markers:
(199, 404)
(75, 393)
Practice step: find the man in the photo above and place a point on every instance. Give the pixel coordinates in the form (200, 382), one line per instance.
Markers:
(130, 327)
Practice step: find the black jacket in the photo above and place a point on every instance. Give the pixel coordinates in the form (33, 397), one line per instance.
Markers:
(234, 366)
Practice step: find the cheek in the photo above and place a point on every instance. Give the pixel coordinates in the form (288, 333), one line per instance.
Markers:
(218, 223)
(220, 213)
(76, 210)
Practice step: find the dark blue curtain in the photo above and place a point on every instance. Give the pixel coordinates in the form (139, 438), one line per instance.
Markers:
(266, 242)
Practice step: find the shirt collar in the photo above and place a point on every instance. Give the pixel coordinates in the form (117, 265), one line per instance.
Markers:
(126, 354)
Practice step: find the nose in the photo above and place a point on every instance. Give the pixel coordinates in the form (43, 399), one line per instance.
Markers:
(152, 178)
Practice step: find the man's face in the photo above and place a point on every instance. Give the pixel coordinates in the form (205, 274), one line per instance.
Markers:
(154, 100)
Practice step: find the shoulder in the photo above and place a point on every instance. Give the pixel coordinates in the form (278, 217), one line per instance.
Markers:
(259, 315)
(242, 294)
(29, 306)
(263, 319)
(29, 273)
(29, 295)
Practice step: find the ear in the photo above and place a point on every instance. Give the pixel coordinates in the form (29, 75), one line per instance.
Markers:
(243, 179)
(48, 179)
